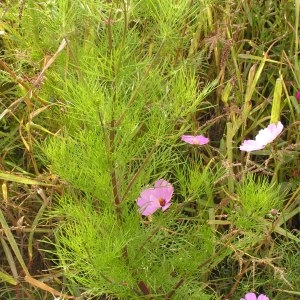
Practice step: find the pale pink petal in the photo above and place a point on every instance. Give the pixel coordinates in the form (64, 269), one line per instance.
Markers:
(161, 183)
(263, 137)
(195, 140)
(154, 198)
(251, 145)
(143, 201)
(250, 296)
(148, 205)
(163, 189)
(148, 210)
(147, 193)
(166, 195)
(146, 198)
(269, 134)
(275, 130)
(262, 297)
(163, 195)
(166, 206)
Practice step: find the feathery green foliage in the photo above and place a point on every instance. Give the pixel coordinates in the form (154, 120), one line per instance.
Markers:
(95, 97)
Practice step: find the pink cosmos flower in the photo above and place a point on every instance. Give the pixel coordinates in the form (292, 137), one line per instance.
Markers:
(152, 199)
(264, 137)
(252, 296)
(298, 95)
(195, 140)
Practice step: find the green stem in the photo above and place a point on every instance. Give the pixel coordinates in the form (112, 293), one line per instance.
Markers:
(230, 157)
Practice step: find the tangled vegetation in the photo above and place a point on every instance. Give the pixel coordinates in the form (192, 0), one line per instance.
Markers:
(126, 167)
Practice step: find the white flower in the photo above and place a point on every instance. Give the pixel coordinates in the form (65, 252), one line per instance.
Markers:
(263, 138)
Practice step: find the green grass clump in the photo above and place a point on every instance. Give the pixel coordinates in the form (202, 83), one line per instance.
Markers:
(256, 199)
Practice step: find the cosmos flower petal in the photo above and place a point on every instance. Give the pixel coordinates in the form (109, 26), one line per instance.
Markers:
(269, 134)
(251, 145)
(152, 199)
(164, 189)
(148, 205)
(144, 198)
(161, 183)
(262, 297)
(195, 140)
(250, 296)
(264, 137)
(148, 210)
(166, 206)
(145, 194)
(275, 130)
(298, 95)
